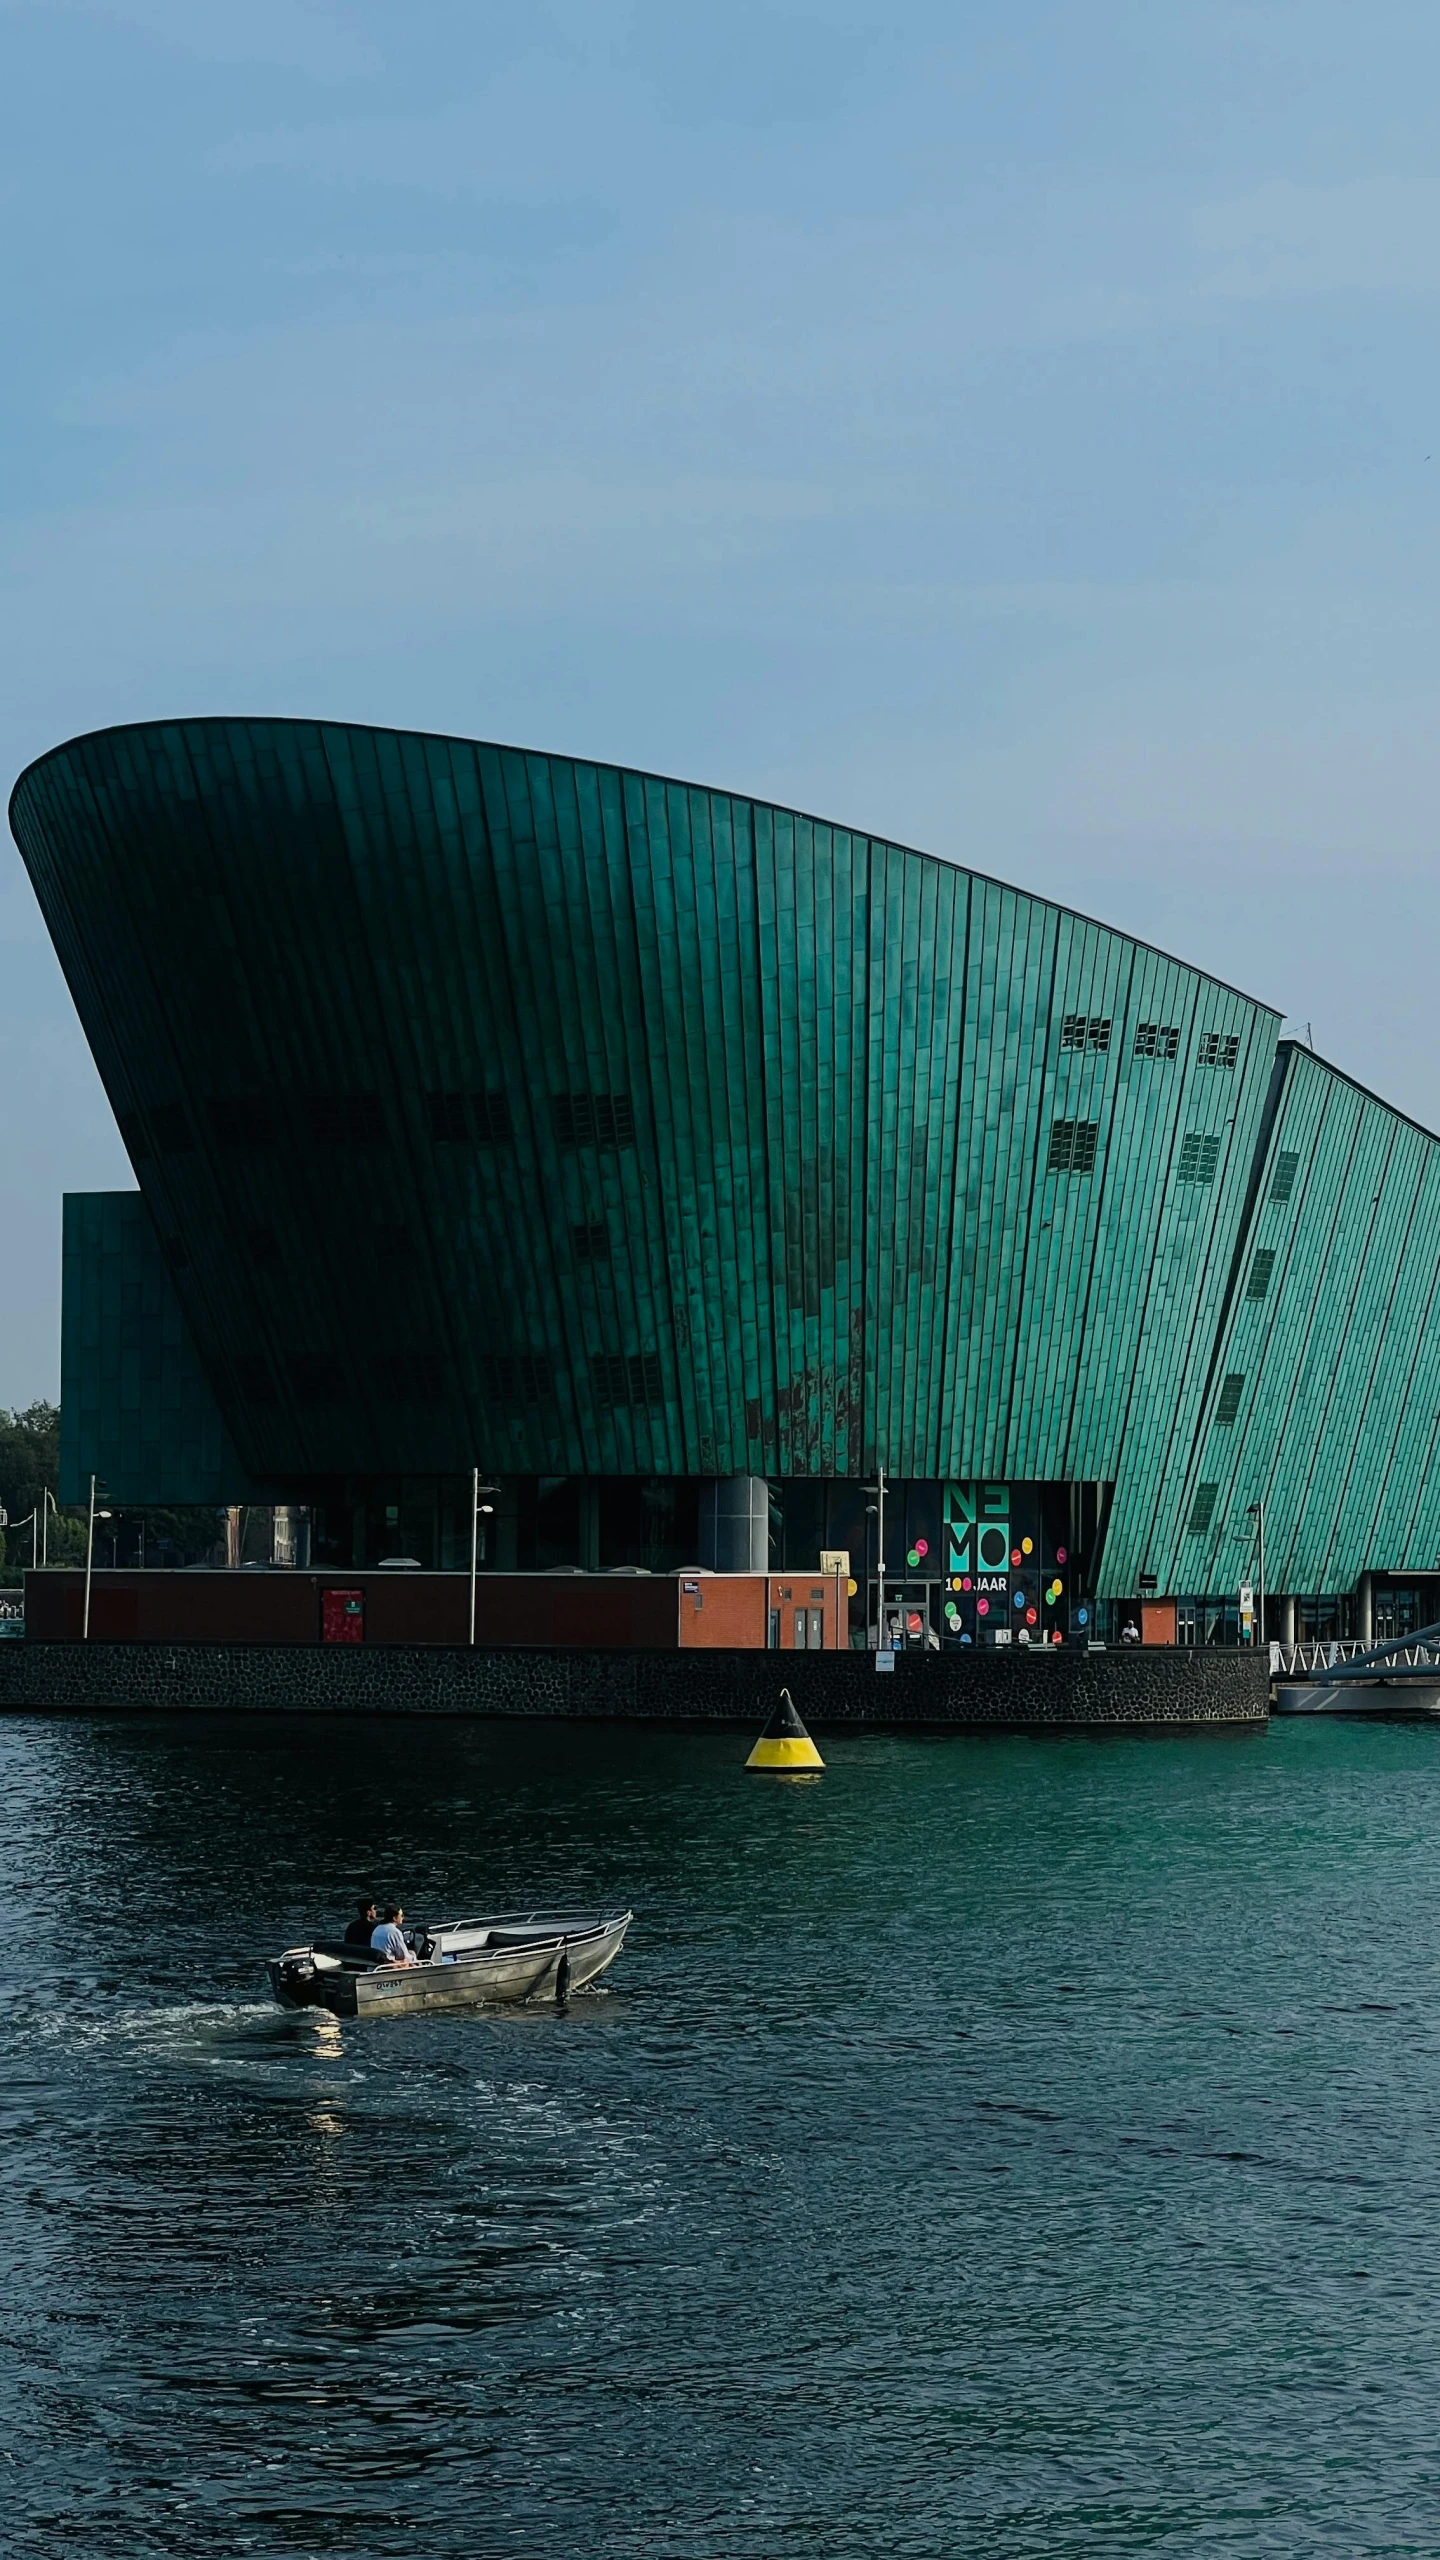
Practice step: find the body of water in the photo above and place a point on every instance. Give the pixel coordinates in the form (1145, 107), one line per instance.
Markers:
(1001, 2146)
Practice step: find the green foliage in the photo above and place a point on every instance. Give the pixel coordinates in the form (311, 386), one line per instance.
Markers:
(66, 1540)
(29, 1462)
(29, 1456)
(30, 1465)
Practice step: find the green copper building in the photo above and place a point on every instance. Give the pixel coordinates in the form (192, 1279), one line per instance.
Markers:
(679, 1160)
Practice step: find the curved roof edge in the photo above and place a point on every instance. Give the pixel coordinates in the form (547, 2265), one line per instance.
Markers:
(640, 773)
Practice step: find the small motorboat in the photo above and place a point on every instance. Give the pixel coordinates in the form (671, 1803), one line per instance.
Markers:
(463, 1964)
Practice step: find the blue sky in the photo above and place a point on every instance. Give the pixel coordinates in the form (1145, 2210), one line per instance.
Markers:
(1011, 428)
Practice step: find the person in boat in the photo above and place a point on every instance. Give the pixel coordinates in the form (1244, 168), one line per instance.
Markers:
(388, 1941)
(362, 1927)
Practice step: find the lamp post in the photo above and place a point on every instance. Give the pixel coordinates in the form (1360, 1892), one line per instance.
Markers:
(30, 1522)
(876, 1511)
(476, 1509)
(90, 1559)
(1257, 1514)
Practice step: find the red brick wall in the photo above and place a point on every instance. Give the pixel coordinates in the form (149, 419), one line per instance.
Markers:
(587, 1610)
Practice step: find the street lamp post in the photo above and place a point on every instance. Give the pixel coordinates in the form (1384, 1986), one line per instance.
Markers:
(90, 1559)
(477, 1507)
(876, 1511)
(30, 1522)
(1257, 1514)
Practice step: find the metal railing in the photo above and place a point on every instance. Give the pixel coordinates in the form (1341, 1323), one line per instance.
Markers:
(1410, 1657)
(1321, 1654)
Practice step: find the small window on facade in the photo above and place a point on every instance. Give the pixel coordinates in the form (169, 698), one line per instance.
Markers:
(628, 1377)
(1218, 1049)
(1282, 1181)
(448, 1118)
(490, 1115)
(594, 1120)
(1261, 1266)
(1198, 1158)
(316, 1378)
(1085, 1031)
(1230, 1394)
(515, 1377)
(410, 1377)
(1072, 1146)
(245, 1120)
(1157, 1040)
(345, 1119)
(464, 1119)
(1202, 1509)
(592, 1244)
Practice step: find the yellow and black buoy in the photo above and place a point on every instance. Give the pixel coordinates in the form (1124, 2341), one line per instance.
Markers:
(785, 1744)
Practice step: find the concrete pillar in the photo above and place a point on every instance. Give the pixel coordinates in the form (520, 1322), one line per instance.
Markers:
(1367, 1608)
(735, 1524)
(1287, 1619)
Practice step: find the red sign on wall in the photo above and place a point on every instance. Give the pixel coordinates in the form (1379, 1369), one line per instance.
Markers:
(342, 1617)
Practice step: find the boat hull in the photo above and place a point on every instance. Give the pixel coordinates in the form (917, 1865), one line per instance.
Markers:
(1321, 1697)
(521, 1965)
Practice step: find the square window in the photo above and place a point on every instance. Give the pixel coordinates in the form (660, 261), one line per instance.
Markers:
(1218, 1049)
(1157, 1040)
(1072, 1146)
(1199, 1156)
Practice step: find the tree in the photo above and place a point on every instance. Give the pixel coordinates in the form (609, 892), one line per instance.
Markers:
(29, 1456)
(30, 1465)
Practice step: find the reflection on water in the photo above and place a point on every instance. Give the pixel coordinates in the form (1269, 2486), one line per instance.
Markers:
(998, 2145)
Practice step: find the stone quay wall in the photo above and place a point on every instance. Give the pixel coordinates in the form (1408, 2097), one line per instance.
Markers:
(1151, 1685)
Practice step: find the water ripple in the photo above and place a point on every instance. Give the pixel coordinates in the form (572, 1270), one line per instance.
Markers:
(1002, 2146)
